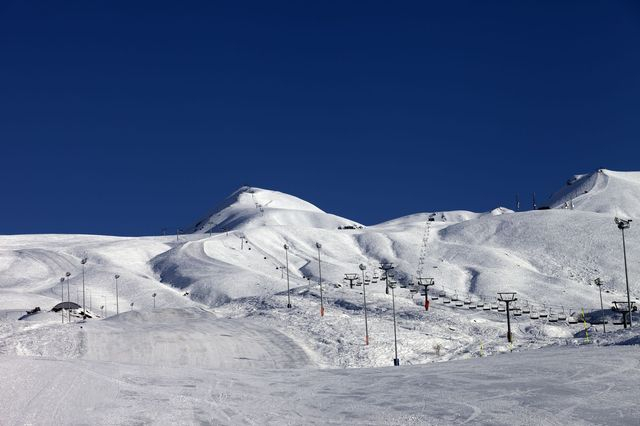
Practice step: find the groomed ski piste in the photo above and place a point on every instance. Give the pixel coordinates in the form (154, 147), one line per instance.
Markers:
(203, 334)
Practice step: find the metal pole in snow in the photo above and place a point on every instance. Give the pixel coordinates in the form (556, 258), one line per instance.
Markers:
(319, 246)
(364, 295)
(626, 275)
(396, 361)
(286, 253)
(68, 275)
(598, 282)
(62, 309)
(84, 306)
(117, 304)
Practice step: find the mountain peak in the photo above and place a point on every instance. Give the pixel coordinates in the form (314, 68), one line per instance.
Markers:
(603, 191)
(250, 207)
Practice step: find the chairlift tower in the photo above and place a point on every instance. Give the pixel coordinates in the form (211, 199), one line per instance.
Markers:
(598, 282)
(351, 278)
(319, 246)
(507, 298)
(622, 225)
(286, 254)
(364, 295)
(426, 283)
(386, 267)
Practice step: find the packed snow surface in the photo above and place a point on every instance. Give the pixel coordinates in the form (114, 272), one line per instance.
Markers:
(204, 334)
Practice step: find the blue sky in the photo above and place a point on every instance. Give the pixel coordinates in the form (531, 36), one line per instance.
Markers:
(120, 118)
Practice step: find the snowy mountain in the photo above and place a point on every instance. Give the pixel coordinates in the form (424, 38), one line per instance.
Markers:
(252, 207)
(214, 301)
(603, 191)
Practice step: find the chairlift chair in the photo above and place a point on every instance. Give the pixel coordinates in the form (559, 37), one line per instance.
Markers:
(486, 307)
(517, 312)
(480, 304)
(494, 306)
(467, 301)
(446, 300)
(413, 289)
(459, 303)
(454, 297)
(562, 316)
(442, 293)
(502, 308)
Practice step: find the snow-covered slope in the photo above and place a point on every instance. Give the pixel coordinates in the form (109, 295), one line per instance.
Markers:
(221, 298)
(604, 191)
(252, 207)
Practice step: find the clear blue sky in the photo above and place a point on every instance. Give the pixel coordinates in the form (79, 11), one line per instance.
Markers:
(122, 119)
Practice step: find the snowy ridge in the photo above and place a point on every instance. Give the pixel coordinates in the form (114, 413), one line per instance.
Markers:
(253, 207)
(604, 191)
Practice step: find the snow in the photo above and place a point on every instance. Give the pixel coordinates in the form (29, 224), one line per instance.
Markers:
(604, 191)
(222, 347)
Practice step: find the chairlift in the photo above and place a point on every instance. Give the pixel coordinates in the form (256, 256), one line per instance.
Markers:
(517, 312)
(534, 315)
(472, 306)
(446, 301)
(454, 297)
(480, 304)
(494, 306)
(467, 301)
(459, 303)
(434, 296)
(486, 307)
(413, 290)
(501, 308)
(442, 293)
(562, 316)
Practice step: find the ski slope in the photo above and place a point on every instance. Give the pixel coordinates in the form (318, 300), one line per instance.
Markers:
(217, 343)
(548, 386)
